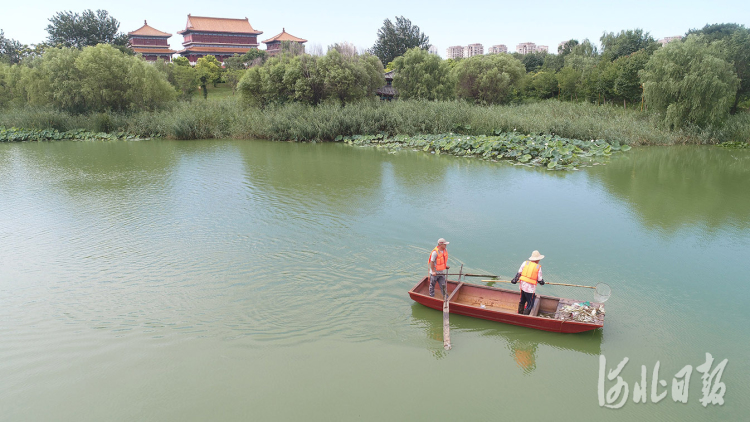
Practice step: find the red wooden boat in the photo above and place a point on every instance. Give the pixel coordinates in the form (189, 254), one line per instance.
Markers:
(501, 305)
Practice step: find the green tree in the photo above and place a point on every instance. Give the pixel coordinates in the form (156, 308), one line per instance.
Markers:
(93, 79)
(542, 84)
(625, 43)
(689, 83)
(603, 80)
(236, 62)
(233, 77)
(567, 47)
(103, 71)
(255, 57)
(305, 80)
(581, 82)
(422, 75)
(11, 51)
(90, 28)
(532, 61)
(185, 80)
(395, 40)
(181, 61)
(209, 71)
(349, 79)
(146, 86)
(312, 79)
(568, 82)
(627, 85)
(733, 40)
(492, 79)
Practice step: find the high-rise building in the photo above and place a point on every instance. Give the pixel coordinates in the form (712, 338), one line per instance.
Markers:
(475, 49)
(454, 52)
(496, 49)
(433, 50)
(530, 47)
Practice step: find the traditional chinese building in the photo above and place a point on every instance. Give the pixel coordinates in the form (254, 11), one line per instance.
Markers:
(151, 43)
(219, 37)
(273, 44)
(388, 92)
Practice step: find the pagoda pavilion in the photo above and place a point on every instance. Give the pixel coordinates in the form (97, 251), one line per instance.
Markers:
(150, 43)
(273, 44)
(219, 37)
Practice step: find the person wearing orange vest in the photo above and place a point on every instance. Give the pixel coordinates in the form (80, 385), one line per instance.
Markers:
(438, 266)
(529, 275)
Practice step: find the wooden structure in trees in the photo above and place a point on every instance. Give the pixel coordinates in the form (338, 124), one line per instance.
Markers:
(219, 37)
(150, 43)
(273, 44)
(388, 92)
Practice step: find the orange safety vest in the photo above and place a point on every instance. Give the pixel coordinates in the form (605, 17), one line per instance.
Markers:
(441, 260)
(530, 272)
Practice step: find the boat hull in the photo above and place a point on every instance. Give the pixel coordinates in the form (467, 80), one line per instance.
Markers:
(502, 309)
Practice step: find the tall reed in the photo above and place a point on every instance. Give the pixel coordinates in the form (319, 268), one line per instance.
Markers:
(228, 118)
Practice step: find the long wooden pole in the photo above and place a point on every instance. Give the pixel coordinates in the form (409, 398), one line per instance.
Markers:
(446, 312)
(552, 284)
(446, 323)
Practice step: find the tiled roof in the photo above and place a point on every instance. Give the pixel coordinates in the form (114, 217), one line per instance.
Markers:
(149, 31)
(285, 36)
(153, 50)
(388, 91)
(241, 50)
(200, 23)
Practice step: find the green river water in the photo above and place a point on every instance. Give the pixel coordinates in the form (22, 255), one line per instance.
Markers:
(252, 280)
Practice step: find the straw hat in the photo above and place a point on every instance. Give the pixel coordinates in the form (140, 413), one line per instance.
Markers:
(536, 256)
(442, 241)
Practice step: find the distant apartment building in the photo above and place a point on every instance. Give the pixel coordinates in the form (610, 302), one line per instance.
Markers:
(526, 48)
(454, 52)
(497, 49)
(475, 49)
(433, 50)
(530, 47)
(666, 40)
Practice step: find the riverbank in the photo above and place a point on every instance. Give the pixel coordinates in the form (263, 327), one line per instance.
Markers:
(228, 118)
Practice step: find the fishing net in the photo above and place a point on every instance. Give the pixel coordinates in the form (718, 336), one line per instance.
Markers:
(602, 292)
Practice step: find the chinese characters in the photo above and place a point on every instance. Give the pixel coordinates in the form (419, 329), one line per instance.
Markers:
(617, 395)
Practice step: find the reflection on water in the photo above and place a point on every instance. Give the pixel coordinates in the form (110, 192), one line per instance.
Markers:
(524, 353)
(310, 175)
(521, 342)
(670, 187)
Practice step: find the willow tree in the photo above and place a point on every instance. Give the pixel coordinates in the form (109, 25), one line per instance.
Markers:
(422, 75)
(734, 40)
(492, 79)
(689, 83)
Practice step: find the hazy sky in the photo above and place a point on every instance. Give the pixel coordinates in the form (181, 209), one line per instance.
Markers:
(446, 23)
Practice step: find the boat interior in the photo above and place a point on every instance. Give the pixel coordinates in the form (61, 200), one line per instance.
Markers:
(491, 298)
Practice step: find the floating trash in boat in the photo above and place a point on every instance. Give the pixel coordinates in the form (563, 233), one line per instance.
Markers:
(581, 312)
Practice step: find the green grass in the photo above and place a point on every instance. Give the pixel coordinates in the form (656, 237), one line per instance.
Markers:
(220, 92)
